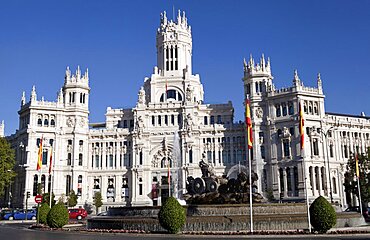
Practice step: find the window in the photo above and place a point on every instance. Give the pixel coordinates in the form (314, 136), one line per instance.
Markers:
(68, 184)
(278, 111)
(289, 179)
(35, 184)
(69, 159)
(281, 180)
(219, 120)
(171, 94)
(166, 120)
(80, 159)
(290, 108)
(52, 122)
(315, 143)
(331, 150)
(291, 131)
(172, 119)
(191, 156)
(285, 112)
(39, 122)
(45, 157)
(81, 143)
(125, 123)
(79, 185)
(110, 160)
(286, 147)
(212, 121)
(97, 161)
(205, 120)
(153, 121)
(263, 156)
(140, 186)
(141, 158)
(159, 120)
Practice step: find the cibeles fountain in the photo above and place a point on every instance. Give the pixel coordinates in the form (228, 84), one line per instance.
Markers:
(213, 203)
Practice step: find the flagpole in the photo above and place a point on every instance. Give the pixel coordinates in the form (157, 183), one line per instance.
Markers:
(358, 182)
(51, 167)
(301, 132)
(248, 124)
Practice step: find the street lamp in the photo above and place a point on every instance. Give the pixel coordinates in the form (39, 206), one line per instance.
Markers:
(325, 133)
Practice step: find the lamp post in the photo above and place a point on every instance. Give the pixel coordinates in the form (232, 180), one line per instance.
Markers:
(325, 133)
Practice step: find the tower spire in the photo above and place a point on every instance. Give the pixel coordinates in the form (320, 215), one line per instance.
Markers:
(296, 80)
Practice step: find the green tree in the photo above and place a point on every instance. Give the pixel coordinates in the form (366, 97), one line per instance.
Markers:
(72, 199)
(43, 212)
(97, 201)
(57, 216)
(172, 216)
(323, 216)
(7, 162)
(350, 179)
(46, 199)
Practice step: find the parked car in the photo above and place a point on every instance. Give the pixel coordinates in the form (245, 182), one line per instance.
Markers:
(5, 214)
(21, 214)
(77, 213)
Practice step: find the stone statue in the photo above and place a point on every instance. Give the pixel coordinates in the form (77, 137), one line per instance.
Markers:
(141, 96)
(189, 93)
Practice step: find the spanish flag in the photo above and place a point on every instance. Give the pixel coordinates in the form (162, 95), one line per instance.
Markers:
(51, 160)
(248, 122)
(39, 159)
(301, 125)
(357, 168)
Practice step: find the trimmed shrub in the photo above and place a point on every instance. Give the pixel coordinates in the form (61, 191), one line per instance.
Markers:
(172, 215)
(58, 216)
(323, 216)
(43, 213)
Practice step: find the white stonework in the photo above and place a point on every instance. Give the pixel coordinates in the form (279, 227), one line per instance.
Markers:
(126, 157)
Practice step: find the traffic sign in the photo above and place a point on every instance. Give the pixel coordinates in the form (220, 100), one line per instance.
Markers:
(38, 198)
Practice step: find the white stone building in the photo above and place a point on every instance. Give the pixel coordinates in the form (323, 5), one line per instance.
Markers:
(126, 158)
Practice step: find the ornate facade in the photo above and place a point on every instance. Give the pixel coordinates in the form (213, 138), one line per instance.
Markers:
(128, 157)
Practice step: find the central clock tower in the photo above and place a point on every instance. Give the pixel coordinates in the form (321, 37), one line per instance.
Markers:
(174, 45)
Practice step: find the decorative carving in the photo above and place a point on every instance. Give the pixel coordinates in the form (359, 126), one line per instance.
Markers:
(189, 93)
(141, 96)
(82, 122)
(259, 112)
(70, 122)
(188, 124)
(139, 126)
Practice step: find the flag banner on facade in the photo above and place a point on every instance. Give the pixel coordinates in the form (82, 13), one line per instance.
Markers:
(248, 122)
(301, 125)
(51, 160)
(39, 157)
(357, 168)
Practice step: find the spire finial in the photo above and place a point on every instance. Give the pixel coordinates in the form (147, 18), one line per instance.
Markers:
(296, 80)
(33, 93)
(319, 81)
(23, 99)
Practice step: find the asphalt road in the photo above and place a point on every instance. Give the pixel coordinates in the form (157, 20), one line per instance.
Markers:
(18, 231)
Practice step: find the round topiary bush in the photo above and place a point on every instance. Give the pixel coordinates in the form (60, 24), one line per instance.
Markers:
(58, 216)
(172, 215)
(43, 213)
(323, 216)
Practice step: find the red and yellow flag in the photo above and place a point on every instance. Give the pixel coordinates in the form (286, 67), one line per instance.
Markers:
(301, 125)
(39, 157)
(51, 160)
(357, 169)
(248, 122)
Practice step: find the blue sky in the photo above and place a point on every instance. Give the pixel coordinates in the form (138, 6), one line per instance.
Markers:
(116, 41)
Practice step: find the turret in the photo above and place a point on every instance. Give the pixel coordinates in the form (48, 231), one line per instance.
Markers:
(174, 46)
(257, 77)
(76, 89)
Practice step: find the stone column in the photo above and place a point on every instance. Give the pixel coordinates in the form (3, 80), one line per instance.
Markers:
(313, 177)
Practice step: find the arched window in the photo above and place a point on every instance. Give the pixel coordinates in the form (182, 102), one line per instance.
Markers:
(278, 111)
(334, 182)
(289, 179)
(68, 184)
(35, 183)
(285, 110)
(80, 159)
(79, 185)
(52, 122)
(164, 162)
(43, 179)
(39, 122)
(281, 180)
(290, 108)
